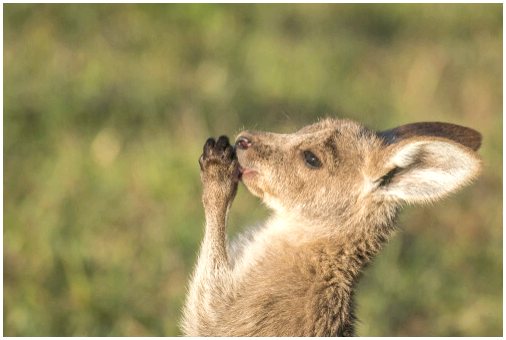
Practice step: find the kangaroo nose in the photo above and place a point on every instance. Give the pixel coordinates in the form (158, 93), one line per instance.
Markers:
(243, 143)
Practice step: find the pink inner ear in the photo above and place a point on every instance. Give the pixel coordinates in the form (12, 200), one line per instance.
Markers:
(460, 134)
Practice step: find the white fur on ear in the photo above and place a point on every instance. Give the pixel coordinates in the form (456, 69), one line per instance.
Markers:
(426, 169)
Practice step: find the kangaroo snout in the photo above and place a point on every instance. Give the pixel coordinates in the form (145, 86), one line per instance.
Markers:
(243, 142)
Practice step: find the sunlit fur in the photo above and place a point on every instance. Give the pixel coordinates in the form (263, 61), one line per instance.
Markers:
(295, 274)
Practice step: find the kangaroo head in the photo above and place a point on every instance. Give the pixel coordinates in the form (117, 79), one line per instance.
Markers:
(336, 167)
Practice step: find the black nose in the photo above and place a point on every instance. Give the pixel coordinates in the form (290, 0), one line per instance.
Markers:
(243, 143)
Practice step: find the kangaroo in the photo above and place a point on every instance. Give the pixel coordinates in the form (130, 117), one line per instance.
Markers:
(335, 189)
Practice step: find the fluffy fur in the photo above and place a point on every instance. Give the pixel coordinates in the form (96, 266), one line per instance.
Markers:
(295, 274)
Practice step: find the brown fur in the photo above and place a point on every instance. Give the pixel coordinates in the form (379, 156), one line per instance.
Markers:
(295, 275)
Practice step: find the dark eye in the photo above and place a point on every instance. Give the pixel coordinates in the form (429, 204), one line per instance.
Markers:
(311, 160)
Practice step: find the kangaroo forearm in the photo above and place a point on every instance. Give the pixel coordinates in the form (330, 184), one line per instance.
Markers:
(214, 248)
(211, 279)
(219, 179)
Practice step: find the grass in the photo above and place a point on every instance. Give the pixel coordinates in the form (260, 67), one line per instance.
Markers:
(106, 108)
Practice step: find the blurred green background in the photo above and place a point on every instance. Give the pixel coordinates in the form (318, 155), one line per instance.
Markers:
(106, 108)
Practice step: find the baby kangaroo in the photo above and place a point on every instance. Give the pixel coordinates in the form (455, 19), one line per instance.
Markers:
(335, 188)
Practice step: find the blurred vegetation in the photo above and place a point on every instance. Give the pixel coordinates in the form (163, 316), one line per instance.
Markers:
(106, 108)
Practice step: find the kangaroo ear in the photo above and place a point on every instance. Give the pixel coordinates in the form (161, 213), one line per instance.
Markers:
(424, 168)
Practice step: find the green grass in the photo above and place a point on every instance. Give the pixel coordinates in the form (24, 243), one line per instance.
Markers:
(106, 108)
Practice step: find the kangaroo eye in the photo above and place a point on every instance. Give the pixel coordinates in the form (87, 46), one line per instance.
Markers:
(311, 160)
